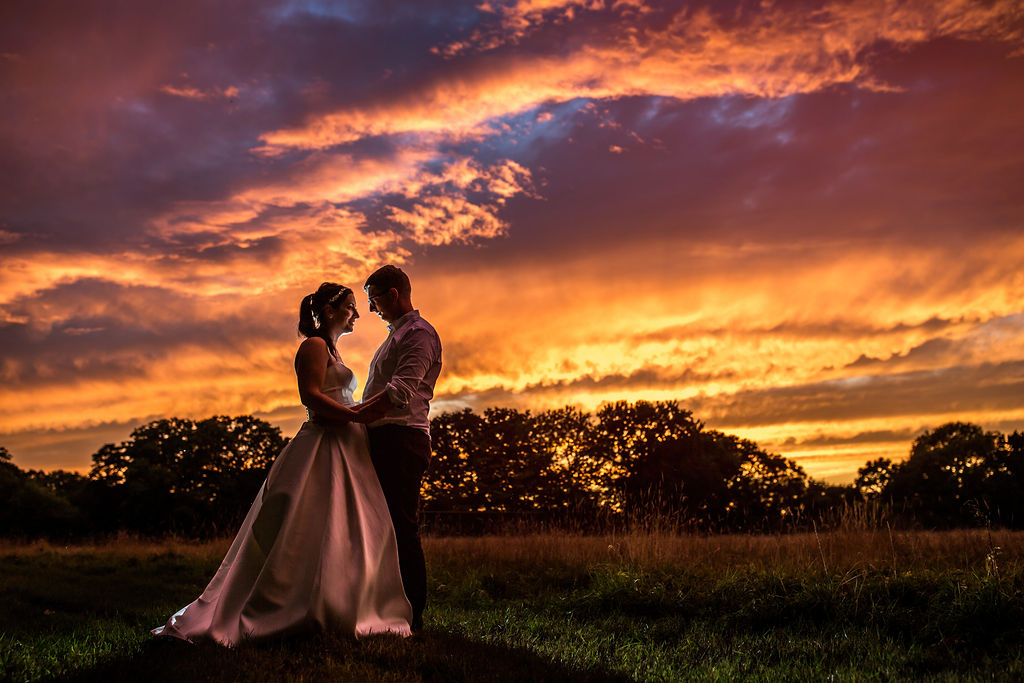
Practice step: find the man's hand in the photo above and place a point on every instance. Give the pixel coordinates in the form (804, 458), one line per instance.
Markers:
(373, 410)
(370, 410)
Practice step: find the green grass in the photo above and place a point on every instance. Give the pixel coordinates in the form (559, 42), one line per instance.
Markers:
(853, 605)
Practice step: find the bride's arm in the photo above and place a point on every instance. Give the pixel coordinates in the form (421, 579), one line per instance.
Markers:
(310, 368)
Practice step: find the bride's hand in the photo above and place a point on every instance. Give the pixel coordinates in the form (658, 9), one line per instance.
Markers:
(372, 409)
(371, 412)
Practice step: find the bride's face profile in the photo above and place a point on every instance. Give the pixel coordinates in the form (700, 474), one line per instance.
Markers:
(344, 316)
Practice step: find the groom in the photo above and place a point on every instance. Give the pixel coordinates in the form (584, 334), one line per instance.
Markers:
(405, 367)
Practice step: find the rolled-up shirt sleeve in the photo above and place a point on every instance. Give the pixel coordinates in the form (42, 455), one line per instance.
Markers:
(406, 367)
(416, 357)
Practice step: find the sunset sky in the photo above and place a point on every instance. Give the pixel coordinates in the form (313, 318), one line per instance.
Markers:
(803, 220)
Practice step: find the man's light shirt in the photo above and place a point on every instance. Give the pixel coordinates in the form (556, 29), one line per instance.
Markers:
(406, 366)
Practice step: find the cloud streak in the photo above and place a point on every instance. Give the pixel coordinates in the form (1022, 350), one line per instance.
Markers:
(685, 54)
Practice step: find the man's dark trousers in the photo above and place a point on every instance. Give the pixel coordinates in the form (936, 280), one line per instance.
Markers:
(400, 455)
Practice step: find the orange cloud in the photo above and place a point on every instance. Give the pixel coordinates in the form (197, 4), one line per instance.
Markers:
(269, 236)
(753, 344)
(193, 93)
(519, 18)
(752, 327)
(775, 52)
(844, 23)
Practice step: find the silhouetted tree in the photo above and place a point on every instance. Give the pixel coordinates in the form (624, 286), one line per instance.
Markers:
(61, 482)
(629, 441)
(712, 480)
(512, 470)
(769, 491)
(28, 509)
(185, 476)
(958, 474)
(568, 437)
(826, 504)
(450, 483)
(639, 459)
(686, 479)
(509, 461)
(1015, 442)
(873, 478)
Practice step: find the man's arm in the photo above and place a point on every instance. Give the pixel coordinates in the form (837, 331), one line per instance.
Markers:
(415, 356)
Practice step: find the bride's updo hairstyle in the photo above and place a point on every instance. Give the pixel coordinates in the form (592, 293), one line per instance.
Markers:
(311, 311)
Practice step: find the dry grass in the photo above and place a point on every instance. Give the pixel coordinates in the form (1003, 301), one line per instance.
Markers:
(121, 546)
(880, 550)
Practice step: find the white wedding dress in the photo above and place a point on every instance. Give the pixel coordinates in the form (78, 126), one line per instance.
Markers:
(317, 548)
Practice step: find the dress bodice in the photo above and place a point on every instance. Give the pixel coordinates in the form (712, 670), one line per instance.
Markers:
(339, 383)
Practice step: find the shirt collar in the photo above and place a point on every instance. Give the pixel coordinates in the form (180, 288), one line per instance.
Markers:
(403, 321)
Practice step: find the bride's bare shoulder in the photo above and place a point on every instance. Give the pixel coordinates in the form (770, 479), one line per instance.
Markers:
(313, 342)
(311, 349)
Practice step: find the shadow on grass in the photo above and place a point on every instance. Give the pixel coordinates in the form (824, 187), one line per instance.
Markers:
(81, 617)
(435, 656)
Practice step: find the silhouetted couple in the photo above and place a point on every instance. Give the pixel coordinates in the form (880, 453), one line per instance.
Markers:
(332, 539)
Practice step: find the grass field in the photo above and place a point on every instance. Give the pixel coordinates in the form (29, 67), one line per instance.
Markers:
(843, 605)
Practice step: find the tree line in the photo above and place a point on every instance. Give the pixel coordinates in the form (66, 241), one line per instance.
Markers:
(625, 463)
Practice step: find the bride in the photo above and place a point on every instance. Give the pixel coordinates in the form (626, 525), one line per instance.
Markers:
(317, 549)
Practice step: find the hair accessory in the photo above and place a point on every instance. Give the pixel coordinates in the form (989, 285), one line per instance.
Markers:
(340, 293)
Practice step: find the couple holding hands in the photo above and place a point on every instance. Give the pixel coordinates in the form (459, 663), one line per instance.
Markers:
(332, 539)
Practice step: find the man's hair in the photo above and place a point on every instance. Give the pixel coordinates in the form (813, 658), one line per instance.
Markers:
(389, 276)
